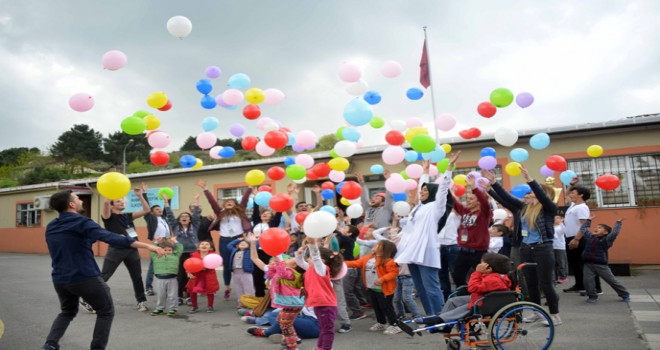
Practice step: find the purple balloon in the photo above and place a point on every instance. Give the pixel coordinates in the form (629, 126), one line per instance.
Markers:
(311, 147)
(237, 130)
(487, 163)
(212, 72)
(221, 102)
(545, 171)
(524, 99)
(297, 148)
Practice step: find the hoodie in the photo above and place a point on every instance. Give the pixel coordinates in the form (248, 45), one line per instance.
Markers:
(481, 285)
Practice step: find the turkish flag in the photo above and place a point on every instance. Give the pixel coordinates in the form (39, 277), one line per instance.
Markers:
(424, 77)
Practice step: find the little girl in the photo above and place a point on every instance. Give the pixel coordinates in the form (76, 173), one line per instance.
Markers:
(318, 288)
(379, 272)
(262, 220)
(203, 282)
(242, 268)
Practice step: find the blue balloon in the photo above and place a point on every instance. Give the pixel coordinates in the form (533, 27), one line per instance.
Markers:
(377, 169)
(358, 112)
(327, 194)
(436, 155)
(488, 152)
(351, 134)
(339, 186)
(414, 93)
(372, 97)
(227, 152)
(208, 102)
(519, 154)
(567, 176)
(540, 141)
(289, 161)
(520, 191)
(250, 204)
(263, 198)
(398, 197)
(187, 161)
(239, 81)
(292, 139)
(329, 209)
(210, 123)
(411, 156)
(204, 86)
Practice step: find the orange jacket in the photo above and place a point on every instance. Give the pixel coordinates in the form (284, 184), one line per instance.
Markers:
(386, 273)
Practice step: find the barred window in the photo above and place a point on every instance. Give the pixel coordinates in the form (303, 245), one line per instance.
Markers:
(237, 194)
(465, 171)
(27, 215)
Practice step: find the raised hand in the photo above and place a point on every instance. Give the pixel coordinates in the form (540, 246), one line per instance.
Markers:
(387, 173)
(488, 174)
(471, 181)
(622, 218)
(592, 216)
(359, 177)
(316, 189)
(454, 158)
(144, 187)
(138, 191)
(425, 165)
(525, 174)
(201, 183)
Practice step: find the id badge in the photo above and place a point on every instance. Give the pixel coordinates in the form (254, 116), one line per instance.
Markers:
(523, 233)
(131, 232)
(464, 236)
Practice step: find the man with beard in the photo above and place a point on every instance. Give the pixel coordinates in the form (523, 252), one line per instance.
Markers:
(378, 209)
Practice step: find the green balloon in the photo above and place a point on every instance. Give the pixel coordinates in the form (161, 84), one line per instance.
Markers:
(442, 165)
(165, 191)
(295, 172)
(423, 143)
(141, 114)
(339, 132)
(377, 122)
(133, 125)
(404, 175)
(333, 154)
(501, 97)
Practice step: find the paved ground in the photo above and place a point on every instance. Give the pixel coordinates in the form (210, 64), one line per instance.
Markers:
(28, 305)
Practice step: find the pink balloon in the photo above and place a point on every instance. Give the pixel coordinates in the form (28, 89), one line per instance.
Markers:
(487, 163)
(306, 138)
(341, 273)
(411, 184)
(113, 60)
(81, 102)
(359, 144)
(232, 97)
(305, 160)
(206, 140)
(214, 152)
(273, 96)
(336, 176)
(263, 149)
(349, 73)
(415, 171)
(390, 69)
(414, 122)
(261, 123)
(393, 155)
(395, 184)
(445, 122)
(212, 261)
(433, 171)
(159, 139)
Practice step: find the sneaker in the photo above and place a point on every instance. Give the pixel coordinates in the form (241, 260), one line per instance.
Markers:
(87, 307)
(573, 289)
(562, 280)
(392, 330)
(142, 306)
(180, 301)
(378, 327)
(357, 316)
(227, 294)
(345, 328)
(49, 347)
(171, 313)
(249, 319)
(592, 299)
(256, 331)
(555, 320)
(276, 338)
(625, 299)
(193, 310)
(244, 312)
(210, 309)
(149, 292)
(157, 312)
(188, 301)
(535, 317)
(367, 306)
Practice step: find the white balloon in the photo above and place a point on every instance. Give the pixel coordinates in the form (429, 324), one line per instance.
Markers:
(337, 176)
(395, 184)
(305, 160)
(263, 149)
(355, 201)
(357, 88)
(261, 123)
(270, 126)
(214, 152)
(401, 208)
(506, 136)
(398, 125)
(320, 224)
(179, 26)
(499, 214)
(345, 148)
(354, 211)
(301, 181)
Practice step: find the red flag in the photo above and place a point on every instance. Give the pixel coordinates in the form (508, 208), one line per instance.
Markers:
(424, 77)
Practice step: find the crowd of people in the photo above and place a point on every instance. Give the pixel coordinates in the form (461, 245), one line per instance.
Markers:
(379, 261)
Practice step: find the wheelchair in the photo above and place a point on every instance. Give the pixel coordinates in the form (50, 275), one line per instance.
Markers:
(496, 324)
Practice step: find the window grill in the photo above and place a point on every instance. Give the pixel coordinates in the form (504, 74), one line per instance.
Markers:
(27, 215)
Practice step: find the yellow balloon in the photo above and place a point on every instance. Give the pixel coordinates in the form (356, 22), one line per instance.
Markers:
(595, 151)
(460, 179)
(255, 95)
(157, 100)
(255, 177)
(344, 201)
(152, 122)
(199, 164)
(446, 147)
(113, 185)
(339, 164)
(414, 131)
(513, 168)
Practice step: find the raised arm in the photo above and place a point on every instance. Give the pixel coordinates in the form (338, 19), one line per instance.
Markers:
(315, 253)
(209, 197)
(145, 205)
(548, 205)
(615, 232)
(505, 198)
(254, 255)
(364, 197)
(256, 214)
(106, 209)
(319, 199)
(169, 216)
(246, 198)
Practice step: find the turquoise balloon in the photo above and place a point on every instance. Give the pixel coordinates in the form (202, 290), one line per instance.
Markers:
(567, 176)
(239, 81)
(435, 156)
(377, 169)
(519, 154)
(411, 156)
(351, 134)
(540, 141)
(262, 198)
(210, 123)
(329, 209)
(358, 112)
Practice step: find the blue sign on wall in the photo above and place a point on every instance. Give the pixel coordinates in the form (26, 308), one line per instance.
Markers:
(133, 202)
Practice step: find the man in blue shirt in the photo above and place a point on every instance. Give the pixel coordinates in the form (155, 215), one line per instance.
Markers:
(75, 273)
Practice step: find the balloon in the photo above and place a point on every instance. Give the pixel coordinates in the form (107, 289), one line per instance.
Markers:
(459, 190)
(390, 69)
(519, 154)
(501, 97)
(506, 136)
(273, 96)
(295, 172)
(339, 164)
(227, 152)
(545, 171)
(520, 191)
(204, 86)
(433, 171)
(300, 217)
(263, 198)
(377, 169)
(399, 196)
(404, 175)
(214, 152)
(411, 156)
(411, 184)
(594, 151)
(351, 190)
(486, 109)
(281, 202)
(415, 171)
(212, 261)
(539, 141)
(113, 185)
(212, 72)
(255, 177)
(208, 102)
(377, 122)
(166, 107)
(165, 191)
(395, 184)
(460, 179)
(133, 125)
(159, 139)
(423, 143)
(337, 176)
(442, 165)
(187, 161)
(395, 138)
(446, 147)
(349, 73)
(556, 163)
(345, 148)
(198, 164)
(398, 125)
(263, 149)
(152, 122)
(255, 95)
(251, 112)
(567, 176)
(159, 158)
(414, 93)
(289, 161)
(206, 140)
(249, 143)
(328, 194)
(306, 138)
(330, 209)
(274, 241)
(608, 182)
(232, 97)
(513, 168)
(524, 99)
(113, 60)
(157, 100)
(237, 130)
(193, 265)
(413, 122)
(276, 139)
(276, 173)
(354, 211)
(372, 97)
(239, 81)
(470, 133)
(445, 122)
(305, 160)
(393, 155)
(321, 169)
(81, 102)
(179, 26)
(320, 224)
(487, 163)
(500, 214)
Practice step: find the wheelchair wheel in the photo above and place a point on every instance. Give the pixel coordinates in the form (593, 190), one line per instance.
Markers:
(453, 344)
(507, 330)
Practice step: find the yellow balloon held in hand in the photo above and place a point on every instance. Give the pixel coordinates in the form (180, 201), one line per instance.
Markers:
(513, 168)
(595, 151)
(255, 177)
(446, 147)
(339, 164)
(199, 164)
(255, 95)
(157, 100)
(113, 185)
(460, 179)
(152, 122)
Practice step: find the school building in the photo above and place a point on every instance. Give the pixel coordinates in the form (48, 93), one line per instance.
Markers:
(632, 152)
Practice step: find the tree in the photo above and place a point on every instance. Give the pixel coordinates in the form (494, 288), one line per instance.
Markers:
(114, 146)
(191, 144)
(42, 174)
(18, 155)
(80, 142)
(327, 142)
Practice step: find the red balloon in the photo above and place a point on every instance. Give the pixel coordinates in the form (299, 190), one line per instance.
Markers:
(193, 265)
(251, 112)
(159, 158)
(281, 202)
(459, 190)
(395, 138)
(300, 217)
(608, 182)
(465, 134)
(265, 188)
(474, 132)
(351, 190)
(321, 170)
(328, 186)
(166, 107)
(274, 241)
(249, 143)
(556, 163)
(276, 173)
(311, 175)
(285, 129)
(276, 139)
(486, 109)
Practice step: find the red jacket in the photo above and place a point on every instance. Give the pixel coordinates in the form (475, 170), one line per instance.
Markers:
(481, 285)
(475, 223)
(386, 273)
(205, 281)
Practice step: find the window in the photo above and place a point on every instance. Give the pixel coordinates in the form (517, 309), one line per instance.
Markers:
(639, 174)
(237, 194)
(27, 215)
(465, 171)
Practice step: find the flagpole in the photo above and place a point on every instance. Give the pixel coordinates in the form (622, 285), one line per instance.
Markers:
(428, 66)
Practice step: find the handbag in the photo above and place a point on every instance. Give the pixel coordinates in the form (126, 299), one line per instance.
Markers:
(263, 305)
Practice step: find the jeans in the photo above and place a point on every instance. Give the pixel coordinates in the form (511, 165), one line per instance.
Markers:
(427, 285)
(464, 263)
(350, 288)
(306, 326)
(149, 284)
(183, 275)
(326, 316)
(448, 256)
(258, 274)
(95, 292)
(342, 312)
(131, 259)
(403, 298)
(383, 307)
(591, 271)
(542, 275)
(226, 259)
(575, 263)
(561, 264)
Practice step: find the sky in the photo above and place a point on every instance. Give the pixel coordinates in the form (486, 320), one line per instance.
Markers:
(584, 62)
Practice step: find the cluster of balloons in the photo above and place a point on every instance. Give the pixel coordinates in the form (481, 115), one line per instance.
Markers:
(500, 98)
(195, 265)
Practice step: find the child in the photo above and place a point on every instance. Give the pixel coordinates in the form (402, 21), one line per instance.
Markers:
(166, 269)
(242, 268)
(379, 272)
(318, 288)
(594, 258)
(286, 293)
(559, 245)
(497, 233)
(203, 282)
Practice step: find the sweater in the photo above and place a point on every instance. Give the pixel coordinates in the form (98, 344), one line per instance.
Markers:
(380, 216)
(474, 224)
(387, 272)
(215, 225)
(168, 264)
(319, 291)
(285, 286)
(481, 285)
(205, 281)
(596, 247)
(188, 236)
(248, 265)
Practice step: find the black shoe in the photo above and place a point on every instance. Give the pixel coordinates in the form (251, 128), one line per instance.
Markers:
(49, 347)
(345, 328)
(87, 307)
(573, 289)
(149, 292)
